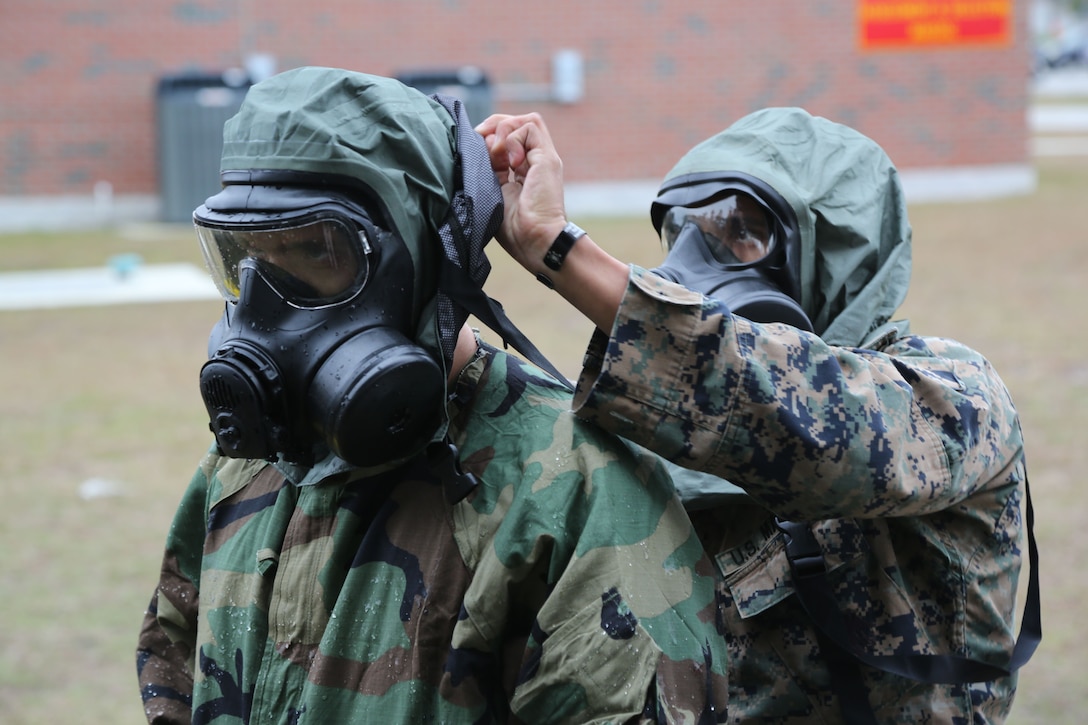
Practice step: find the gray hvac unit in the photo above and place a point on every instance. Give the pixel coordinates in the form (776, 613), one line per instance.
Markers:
(468, 83)
(191, 109)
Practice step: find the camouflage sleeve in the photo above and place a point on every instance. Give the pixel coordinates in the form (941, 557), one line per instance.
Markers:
(579, 542)
(165, 650)
(810, 430)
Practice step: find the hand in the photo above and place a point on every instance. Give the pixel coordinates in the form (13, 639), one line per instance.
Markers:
(531, 173)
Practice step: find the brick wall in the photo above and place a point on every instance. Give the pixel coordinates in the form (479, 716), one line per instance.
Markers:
(79, 78)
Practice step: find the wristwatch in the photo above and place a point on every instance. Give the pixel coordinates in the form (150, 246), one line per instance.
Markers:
(557, 253)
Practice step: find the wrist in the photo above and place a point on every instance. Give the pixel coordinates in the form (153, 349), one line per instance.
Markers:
(592, 280)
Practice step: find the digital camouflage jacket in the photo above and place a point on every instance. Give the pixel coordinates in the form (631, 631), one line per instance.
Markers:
(903, 453)
(569, 587)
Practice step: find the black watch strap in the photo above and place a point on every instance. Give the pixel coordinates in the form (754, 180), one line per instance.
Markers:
(557, 253)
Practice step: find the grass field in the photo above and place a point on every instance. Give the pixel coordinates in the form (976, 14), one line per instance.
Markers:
(110, 393)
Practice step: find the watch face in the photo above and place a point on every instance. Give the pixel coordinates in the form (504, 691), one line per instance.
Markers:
(556, 253)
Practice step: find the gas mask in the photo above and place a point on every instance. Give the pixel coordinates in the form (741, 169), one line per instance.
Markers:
(314, 350)
(723, 240)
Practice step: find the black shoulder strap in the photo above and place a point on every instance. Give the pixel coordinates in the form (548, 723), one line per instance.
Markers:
(815, 594)
(455, 283)
(474, 216)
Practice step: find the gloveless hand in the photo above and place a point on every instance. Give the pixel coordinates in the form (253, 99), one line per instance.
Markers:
(531, 173)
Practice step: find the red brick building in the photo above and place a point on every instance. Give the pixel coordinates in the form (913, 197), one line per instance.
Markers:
(941, 84)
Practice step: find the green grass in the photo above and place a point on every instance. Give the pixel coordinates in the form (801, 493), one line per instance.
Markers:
(110, 392)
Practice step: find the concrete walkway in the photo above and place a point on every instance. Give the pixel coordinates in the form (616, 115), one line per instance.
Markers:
(106, 285)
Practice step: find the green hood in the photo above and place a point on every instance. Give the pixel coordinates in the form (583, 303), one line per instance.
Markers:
(851, 213)
(419, 155)
(392, 138)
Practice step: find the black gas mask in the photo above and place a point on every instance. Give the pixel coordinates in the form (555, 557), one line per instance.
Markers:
(734, 241)
(314, 350)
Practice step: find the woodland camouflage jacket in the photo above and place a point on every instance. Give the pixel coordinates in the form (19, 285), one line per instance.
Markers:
(568, 588)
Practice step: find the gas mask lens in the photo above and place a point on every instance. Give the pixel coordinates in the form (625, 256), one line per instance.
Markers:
(736, 228)
(311, 263)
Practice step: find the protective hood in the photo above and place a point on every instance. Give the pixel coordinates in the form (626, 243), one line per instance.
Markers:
(848, 201)
(417, 157)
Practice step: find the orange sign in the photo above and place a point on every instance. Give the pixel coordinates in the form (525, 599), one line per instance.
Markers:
(927, 23)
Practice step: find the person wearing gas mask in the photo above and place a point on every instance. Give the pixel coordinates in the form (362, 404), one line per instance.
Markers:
(865, 507)
(399, 523)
